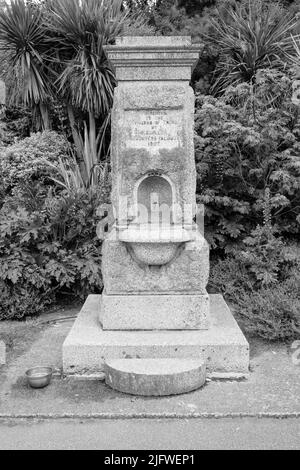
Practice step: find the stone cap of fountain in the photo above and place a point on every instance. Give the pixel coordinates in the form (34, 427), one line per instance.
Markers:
(153, 57)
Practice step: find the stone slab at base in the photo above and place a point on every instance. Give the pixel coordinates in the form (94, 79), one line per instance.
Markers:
(155, 377)
(223, 346)
(154, 312)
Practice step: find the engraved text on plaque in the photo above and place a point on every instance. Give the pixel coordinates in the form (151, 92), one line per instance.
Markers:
(153, 129)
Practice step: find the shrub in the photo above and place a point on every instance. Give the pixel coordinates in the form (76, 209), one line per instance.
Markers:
(26, 160)
(15, 125)
(48, 242)
(20, 301)
(271, 313)
(262, 282)
(48, 248)
(247, 142)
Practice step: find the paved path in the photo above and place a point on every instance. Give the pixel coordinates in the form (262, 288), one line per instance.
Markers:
(147, 434)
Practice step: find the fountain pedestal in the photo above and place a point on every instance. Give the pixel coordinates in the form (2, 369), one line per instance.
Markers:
(154, 305)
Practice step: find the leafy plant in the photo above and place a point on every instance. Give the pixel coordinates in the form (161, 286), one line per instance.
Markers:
(27, 159)
(252, 36)
(15, 125)
(48, 242)
(47, 251)
(247, 141)
(75, 177)
(271, 313)
(261, 281)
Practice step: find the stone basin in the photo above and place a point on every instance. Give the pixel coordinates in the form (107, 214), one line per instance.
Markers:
(154, 246)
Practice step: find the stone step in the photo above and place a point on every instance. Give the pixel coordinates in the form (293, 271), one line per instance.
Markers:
(155, 377)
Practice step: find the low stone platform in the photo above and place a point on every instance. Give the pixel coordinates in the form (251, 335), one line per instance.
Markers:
(155, 377)
(223, 346)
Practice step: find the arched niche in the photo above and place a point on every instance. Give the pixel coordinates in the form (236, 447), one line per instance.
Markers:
(154, 199)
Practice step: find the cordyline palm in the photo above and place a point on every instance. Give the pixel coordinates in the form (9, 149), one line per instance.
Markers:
(56, 50)
(78, 30)
(23, 41)
(253, 36)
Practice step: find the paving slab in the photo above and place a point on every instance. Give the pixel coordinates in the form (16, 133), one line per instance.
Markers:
(272, 389)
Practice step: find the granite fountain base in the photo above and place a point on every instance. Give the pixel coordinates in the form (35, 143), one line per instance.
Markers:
(223, 346)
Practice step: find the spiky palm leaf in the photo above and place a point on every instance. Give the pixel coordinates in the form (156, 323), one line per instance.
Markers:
(81, 28)
(22, 39)
(295, 58)
(88, 79)
(253, 36)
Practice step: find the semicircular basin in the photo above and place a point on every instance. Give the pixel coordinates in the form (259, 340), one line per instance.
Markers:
(154, 245)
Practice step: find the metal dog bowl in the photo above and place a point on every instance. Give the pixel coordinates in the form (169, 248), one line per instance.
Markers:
(39, 377)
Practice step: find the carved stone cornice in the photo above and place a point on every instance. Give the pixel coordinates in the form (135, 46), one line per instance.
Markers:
(151, 58)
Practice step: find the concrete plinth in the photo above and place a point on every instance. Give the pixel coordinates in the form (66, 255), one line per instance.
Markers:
(154, 312)
(223, 346)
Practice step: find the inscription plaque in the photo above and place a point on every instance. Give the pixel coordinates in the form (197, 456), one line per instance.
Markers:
(153, 129)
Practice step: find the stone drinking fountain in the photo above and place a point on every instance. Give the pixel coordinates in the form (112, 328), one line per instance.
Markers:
(153, 235)
(155, 330)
